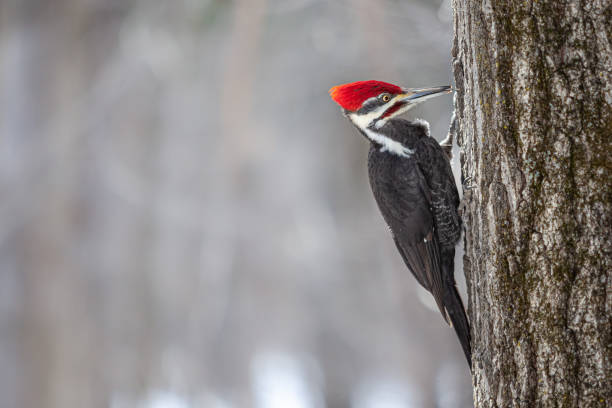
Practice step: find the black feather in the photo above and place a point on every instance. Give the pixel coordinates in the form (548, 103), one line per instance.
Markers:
(418, 199)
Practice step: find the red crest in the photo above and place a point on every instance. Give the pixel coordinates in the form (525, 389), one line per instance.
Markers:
(351, 96)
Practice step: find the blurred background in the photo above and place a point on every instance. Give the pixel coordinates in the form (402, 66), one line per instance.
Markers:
(185, 216)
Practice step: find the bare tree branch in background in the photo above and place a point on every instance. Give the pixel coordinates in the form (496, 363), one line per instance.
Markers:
(240, 66)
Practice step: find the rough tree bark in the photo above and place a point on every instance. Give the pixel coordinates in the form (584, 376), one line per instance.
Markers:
(534, 118)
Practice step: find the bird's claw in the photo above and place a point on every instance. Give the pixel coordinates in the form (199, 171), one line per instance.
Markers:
(467, 183)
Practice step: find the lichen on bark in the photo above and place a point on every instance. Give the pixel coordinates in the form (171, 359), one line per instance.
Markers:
(534, 120)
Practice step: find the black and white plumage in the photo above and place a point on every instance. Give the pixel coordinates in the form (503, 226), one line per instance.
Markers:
(414, 188)
(418, 199)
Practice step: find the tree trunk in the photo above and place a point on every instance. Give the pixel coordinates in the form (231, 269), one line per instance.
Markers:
(534, 119)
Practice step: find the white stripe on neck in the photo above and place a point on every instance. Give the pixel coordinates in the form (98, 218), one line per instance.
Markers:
(387, 144)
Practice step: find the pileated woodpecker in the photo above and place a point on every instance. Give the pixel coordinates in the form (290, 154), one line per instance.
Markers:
(414, 187)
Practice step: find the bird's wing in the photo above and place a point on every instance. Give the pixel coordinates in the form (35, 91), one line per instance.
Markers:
(403, 201)
(444, 197)
(423, 260)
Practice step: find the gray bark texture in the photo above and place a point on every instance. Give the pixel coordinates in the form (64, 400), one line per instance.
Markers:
(534, 123)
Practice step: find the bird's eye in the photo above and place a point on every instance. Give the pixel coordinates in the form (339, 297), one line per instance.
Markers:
(385, 97)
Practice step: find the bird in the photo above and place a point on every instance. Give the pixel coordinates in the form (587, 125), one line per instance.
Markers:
(413, 185)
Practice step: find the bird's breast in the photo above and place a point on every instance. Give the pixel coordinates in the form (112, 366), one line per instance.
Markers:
(389, 168)
(393, 178)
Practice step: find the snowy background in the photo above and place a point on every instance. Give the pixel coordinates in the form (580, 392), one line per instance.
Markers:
(185, 217)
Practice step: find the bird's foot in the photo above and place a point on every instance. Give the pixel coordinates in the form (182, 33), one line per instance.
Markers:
(448, 149)
(467, 183)
(467, 187)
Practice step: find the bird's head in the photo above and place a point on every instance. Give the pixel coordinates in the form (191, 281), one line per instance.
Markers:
(369, 104)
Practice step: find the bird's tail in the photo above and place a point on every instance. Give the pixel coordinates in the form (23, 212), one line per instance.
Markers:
(454, 307)
(456, 313)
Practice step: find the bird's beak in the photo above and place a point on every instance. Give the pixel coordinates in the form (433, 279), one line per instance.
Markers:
(417, 95)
